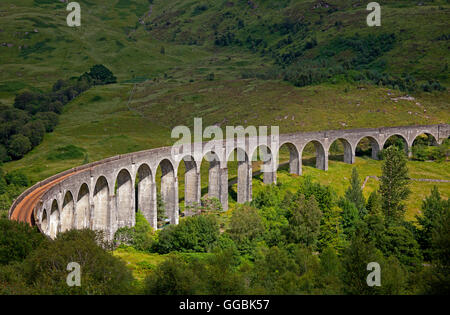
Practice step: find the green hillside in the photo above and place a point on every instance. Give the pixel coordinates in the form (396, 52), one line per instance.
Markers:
(301, 65)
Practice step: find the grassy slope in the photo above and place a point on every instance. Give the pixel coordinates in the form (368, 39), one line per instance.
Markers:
(102, 125)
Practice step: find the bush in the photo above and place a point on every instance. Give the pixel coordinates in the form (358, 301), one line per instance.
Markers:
(192, 234)
(49, 119)
(3, 154)
(17, 178)
(141, 236)
(246, 227)
(398, 241)
(19, 146)
(44, 271)
(17, 241)
(101, 75)
(34, 131)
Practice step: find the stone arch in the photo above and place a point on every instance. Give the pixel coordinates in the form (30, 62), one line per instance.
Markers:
(348, 152)
(44, 221)
(146, 194)
(82, 208)
(169, 190)
(67, 212)
(374, 149)
(101, 213)
(418, 144)
(321, 155)
(432, 140)
(54, 220)
(244, 174)
(264, 154)
(192, 190)
(387, 141)
(294, 159)
(216, 177)
(124, 199)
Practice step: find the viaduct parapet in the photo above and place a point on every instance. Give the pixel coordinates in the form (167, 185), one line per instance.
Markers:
(102, 196)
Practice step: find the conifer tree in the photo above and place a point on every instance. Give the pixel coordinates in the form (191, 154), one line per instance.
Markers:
(355, 194)
(394, 184)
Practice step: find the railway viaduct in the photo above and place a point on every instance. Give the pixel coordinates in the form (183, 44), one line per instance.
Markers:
(101, 195)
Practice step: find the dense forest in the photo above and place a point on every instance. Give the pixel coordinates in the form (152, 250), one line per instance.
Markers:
(305, 242)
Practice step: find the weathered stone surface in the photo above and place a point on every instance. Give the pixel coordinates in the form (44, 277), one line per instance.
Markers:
(101, 195)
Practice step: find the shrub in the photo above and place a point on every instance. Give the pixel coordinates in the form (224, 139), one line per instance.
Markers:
(304, 223)
(101, 75)
(44, 271)
(192, 234)
(17, 178)
(49, 119)
(19, 146)
(17, 241)
(246, 226)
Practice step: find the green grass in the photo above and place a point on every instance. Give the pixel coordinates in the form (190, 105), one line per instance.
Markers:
(172, 88)
(339, 174)
(140, 263)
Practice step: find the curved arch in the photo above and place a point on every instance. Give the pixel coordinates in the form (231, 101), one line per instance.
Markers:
(372, 147)
(217, 177)
(268, 168)
(146, 194)
(44, 221)
(392, 140)
(294, 160)
(169, 190)
(67, 212)
(244, 174)
(124, 199)
(420, 144)
(431, 139)
(82, 208)
(192, 190)
(348, 153)
(101, 213)
(54, 220)
(321, 154)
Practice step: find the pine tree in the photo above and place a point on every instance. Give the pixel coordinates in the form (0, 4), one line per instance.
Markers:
(433, 208)
(374, 203)
(355, 194)
(394, 184)
(304, 225)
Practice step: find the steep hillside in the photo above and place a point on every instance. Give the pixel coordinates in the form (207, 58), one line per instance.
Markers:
(301, 65)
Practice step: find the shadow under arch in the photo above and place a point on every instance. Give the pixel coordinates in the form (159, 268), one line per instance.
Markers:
(244, 175)
(101, 212)
(289, 149)
(82, 208)
(44, 221)
(124, 193)
(341, 150)
(146, 194)
(54, 220)
(368, 146)
(67, 212)
(320, 159)
(263, 155)
(189, 177)
(169, 190)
